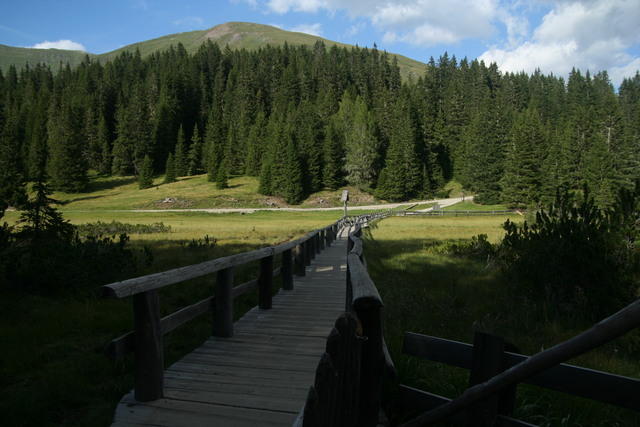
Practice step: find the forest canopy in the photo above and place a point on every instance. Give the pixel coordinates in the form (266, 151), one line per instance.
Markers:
(303, 119)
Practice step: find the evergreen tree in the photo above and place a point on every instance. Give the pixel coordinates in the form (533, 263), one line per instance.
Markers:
(170, 170)
(221, 175)
(401, 177)
(361, 146)
(67, 165)
(180, 156)
(145, 177)
(521, 183)
(195, 154)
(12, 191)
(333, 157)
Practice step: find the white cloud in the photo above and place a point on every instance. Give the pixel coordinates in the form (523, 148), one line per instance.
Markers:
(421, 22)
(60, 44)
(355, 29)
(313, 29)
(284, 6)
(583, 34)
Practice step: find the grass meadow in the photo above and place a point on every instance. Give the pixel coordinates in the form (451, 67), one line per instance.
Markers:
(53, 370)
(426, 290)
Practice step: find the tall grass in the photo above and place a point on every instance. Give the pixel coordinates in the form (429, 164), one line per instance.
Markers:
(429, 291)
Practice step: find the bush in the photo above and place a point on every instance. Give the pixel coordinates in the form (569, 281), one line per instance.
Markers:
(576, 257)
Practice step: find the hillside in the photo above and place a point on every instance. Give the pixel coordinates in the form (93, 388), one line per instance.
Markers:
(20, 56)
(237, 35)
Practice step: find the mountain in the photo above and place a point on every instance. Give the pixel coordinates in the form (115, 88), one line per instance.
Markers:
(20, 56)
(237, 35)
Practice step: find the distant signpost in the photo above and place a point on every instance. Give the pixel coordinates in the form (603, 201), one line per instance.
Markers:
(344, 199)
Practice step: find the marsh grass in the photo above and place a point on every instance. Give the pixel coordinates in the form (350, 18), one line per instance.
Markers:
(426, 290)
(53, 370)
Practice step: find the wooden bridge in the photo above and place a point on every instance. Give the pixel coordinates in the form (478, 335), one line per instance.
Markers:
(314, 354)
(256, 371)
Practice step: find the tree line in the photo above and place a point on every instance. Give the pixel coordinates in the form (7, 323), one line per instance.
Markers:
(307, 118)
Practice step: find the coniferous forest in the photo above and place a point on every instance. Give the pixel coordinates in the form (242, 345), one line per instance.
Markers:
(303, 119)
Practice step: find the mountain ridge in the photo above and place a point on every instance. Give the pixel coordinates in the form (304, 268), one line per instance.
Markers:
(236, 35)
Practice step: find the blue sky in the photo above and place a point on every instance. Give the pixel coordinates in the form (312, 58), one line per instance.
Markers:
(517, 34)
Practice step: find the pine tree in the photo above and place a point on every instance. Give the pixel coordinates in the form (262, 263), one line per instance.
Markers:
(104, 165)
(180, 156)
(333, 157)
(522, 183)
(221, 175)
(195, 153)
(401, 177)
(12, 191)
(170, 170)
(67, 165)
(361, 146)
(145, 177)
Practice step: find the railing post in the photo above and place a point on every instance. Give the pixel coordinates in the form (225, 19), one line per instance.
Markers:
(372, 367)
(299, 260)
(323, 239)
(149, 352)
(287, 271)
(488, 361)
(264, 282)
(306, 249)
(223, 316)
(318, 243)
(313, 242)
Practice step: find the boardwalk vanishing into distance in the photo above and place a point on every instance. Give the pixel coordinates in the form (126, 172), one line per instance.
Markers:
(261, 375)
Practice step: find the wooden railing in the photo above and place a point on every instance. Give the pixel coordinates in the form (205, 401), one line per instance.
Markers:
(348, 384)
(146, 340)
(508, 369)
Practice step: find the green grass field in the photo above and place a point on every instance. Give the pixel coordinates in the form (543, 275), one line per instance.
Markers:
(472, 206)
(53, 371)
(428, 291)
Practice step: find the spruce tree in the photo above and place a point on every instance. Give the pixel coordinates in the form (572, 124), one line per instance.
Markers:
(180, 156)
(12, 191)
(333, 156)
(195, 154)
(221, 175)
(170, 170)
(145, 177)
(67, 166)
(522, 183)
(361, 146)
(401, 177)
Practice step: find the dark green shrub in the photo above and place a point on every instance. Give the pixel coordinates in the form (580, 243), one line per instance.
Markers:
(575, 258)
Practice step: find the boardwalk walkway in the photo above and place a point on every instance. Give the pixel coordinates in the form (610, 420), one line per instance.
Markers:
(260, 376)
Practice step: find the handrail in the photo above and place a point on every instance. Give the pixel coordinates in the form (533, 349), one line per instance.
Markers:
(146, 341)
(602, 332)
(149, 282)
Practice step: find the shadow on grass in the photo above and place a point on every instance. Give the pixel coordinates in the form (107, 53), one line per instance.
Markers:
(100, 185)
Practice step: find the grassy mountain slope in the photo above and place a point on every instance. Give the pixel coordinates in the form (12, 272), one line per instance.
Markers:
(20, 56)
(238, 35)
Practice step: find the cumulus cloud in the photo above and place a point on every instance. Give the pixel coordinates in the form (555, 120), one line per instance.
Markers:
(60, 44)
(313, 29)
(583, 34)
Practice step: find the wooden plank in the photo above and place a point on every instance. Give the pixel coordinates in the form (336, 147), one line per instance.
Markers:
(589, 383)
(168, 412)
(287, 270)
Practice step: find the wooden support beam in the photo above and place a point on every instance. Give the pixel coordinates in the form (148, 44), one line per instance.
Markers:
(287, 270)
(149, 351)
(265, 282)
(223, 315)
(298, 260)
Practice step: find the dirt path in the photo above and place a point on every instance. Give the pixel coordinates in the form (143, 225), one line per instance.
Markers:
(441, 202)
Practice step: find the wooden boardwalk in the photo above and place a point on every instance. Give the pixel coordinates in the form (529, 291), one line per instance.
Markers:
(260, 376)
